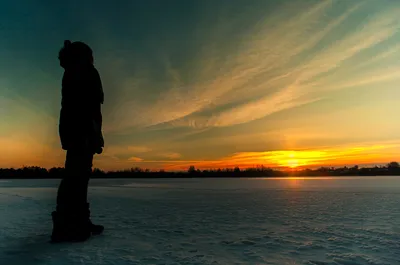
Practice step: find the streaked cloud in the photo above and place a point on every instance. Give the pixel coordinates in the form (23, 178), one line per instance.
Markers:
(171, 155)
(138, 149)
(135, 159)
(284, 62)
(126, 149)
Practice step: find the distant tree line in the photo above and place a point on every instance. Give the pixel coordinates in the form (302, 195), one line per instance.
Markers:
(391, 169)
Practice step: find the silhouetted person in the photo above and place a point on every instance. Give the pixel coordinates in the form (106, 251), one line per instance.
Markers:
(80, 134)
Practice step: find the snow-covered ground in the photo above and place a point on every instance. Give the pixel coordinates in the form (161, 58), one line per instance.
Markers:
(214, 221)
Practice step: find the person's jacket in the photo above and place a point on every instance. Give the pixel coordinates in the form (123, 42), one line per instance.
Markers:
(80, 117)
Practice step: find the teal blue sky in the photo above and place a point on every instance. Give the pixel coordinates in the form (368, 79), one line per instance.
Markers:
(208, 82)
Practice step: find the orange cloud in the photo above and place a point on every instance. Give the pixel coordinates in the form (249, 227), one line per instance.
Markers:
(135, 159)
(172, 155)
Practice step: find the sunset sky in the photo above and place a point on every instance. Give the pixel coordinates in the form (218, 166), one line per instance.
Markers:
(209, 83)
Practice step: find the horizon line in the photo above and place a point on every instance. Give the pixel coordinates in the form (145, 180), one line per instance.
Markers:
(275, 168)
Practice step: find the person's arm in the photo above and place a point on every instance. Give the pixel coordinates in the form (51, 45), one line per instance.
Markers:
(97, 98)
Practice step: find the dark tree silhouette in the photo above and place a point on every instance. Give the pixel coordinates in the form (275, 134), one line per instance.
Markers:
(33, 172)
(191, 170)
(393, 165)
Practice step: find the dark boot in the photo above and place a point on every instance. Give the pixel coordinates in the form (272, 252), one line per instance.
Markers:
(70, 226)
(59, 233)
(94, 229)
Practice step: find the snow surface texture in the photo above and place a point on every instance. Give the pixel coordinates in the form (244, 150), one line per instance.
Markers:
(214, 221)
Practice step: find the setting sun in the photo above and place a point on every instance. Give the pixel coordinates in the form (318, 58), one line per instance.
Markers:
(294, 159)
(292, 163)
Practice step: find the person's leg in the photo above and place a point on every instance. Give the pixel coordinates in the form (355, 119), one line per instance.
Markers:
(73, 209)
(95, 229)
(87, 163)
(71, 214)
(83, 172)
(74, 182)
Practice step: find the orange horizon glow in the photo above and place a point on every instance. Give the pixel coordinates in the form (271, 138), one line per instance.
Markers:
(298, 159)
(291, 160)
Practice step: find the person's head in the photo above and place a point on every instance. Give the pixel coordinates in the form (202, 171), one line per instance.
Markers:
(75, 54)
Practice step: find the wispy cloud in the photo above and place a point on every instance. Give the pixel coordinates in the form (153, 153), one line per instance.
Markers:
(171, 155)
(284, 62)
(301, 87)
(138, 149)
(126, 149)
(135, 159)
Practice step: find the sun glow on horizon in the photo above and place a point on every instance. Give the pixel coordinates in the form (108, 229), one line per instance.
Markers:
(292, 163)
(294, 159)
(297, 159)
